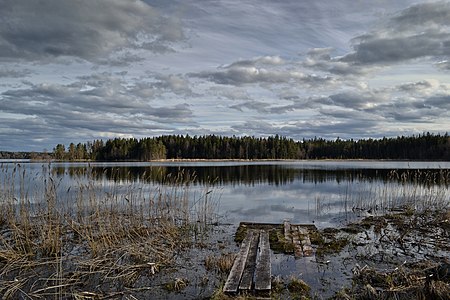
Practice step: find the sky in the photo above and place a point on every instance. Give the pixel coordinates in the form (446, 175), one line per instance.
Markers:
(79, 70)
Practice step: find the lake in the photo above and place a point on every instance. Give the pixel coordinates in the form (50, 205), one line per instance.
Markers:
(326, 193)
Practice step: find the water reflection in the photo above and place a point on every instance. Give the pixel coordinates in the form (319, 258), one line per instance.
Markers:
(252, 174)
(326, 193)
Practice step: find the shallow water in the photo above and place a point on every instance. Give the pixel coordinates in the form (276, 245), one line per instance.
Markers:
(327, 193)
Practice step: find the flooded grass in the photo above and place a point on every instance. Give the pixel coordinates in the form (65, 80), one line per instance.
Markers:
(397, 256)
(100, 246)
(221, 263)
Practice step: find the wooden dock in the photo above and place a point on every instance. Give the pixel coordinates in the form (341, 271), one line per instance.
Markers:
(251, 270)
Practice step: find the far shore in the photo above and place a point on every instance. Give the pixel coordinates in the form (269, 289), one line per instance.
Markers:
(182, 160)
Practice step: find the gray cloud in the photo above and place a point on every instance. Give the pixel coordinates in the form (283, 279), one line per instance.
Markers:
(179, 113)
(264, 60)
(247, 68)
(355, 100)
(9, 73)
(374, 49)
(444, 65)
(421, 31)
(267, 70)
(239, 75)
(35, 30)
(415, 86)
(230, 93)
(174, 83)
(321, 59)
(441, 102)
(98, 94)
(97, 106)
(258, 106)
(256, 128)
(121, 59)
(321, 127)
(324, 127)
(434, 14)
(348, 114)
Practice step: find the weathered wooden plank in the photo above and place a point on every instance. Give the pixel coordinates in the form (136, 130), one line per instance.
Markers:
(234, 278)
(298, 251)
(249, 270)
(308, 250)
(287, 231)
(263, 267)
(288, 246)
(306, 242)
(256, 224)
(302, 230)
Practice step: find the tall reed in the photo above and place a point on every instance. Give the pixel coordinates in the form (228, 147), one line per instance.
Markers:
(407, 190)
(60, 242)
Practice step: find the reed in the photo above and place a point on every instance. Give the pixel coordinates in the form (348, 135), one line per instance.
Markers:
(402, 191)
(97, 235)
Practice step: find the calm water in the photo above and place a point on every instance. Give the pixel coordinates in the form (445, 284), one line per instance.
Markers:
(328, 193)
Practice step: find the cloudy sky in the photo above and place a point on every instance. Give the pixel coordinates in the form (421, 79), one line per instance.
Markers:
(78, 70)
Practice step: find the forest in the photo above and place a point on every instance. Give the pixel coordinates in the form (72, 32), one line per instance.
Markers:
(417, 147)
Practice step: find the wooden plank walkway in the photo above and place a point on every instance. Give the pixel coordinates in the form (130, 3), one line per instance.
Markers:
(299, 236)
(263, 267)
(251, 270)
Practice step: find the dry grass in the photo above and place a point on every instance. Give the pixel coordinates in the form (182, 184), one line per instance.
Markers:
(96, 242)
(400, 283)
(221, 264)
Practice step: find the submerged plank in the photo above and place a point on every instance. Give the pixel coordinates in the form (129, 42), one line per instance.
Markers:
(287, 231)
(298, 250)
(249, 270)
(234, 278)
(306, 242)
(263, 267)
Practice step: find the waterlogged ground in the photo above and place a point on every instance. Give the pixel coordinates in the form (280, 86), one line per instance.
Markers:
(401, 255)
(398, 255)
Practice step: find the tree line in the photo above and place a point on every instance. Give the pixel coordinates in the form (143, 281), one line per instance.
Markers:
(417, 147)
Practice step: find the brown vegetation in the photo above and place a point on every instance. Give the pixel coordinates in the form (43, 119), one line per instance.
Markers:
(98, 246)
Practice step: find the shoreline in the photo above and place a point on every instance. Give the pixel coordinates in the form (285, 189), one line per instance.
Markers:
(181, 160)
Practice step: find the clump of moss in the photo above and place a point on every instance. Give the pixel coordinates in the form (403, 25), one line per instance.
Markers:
(332, 246)
(176, 285)
(353, 228)
(278, 284)
(298, 287)
(315, 237)
(328, 241)
(278, 242)
(378, 223)
(241, 232)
